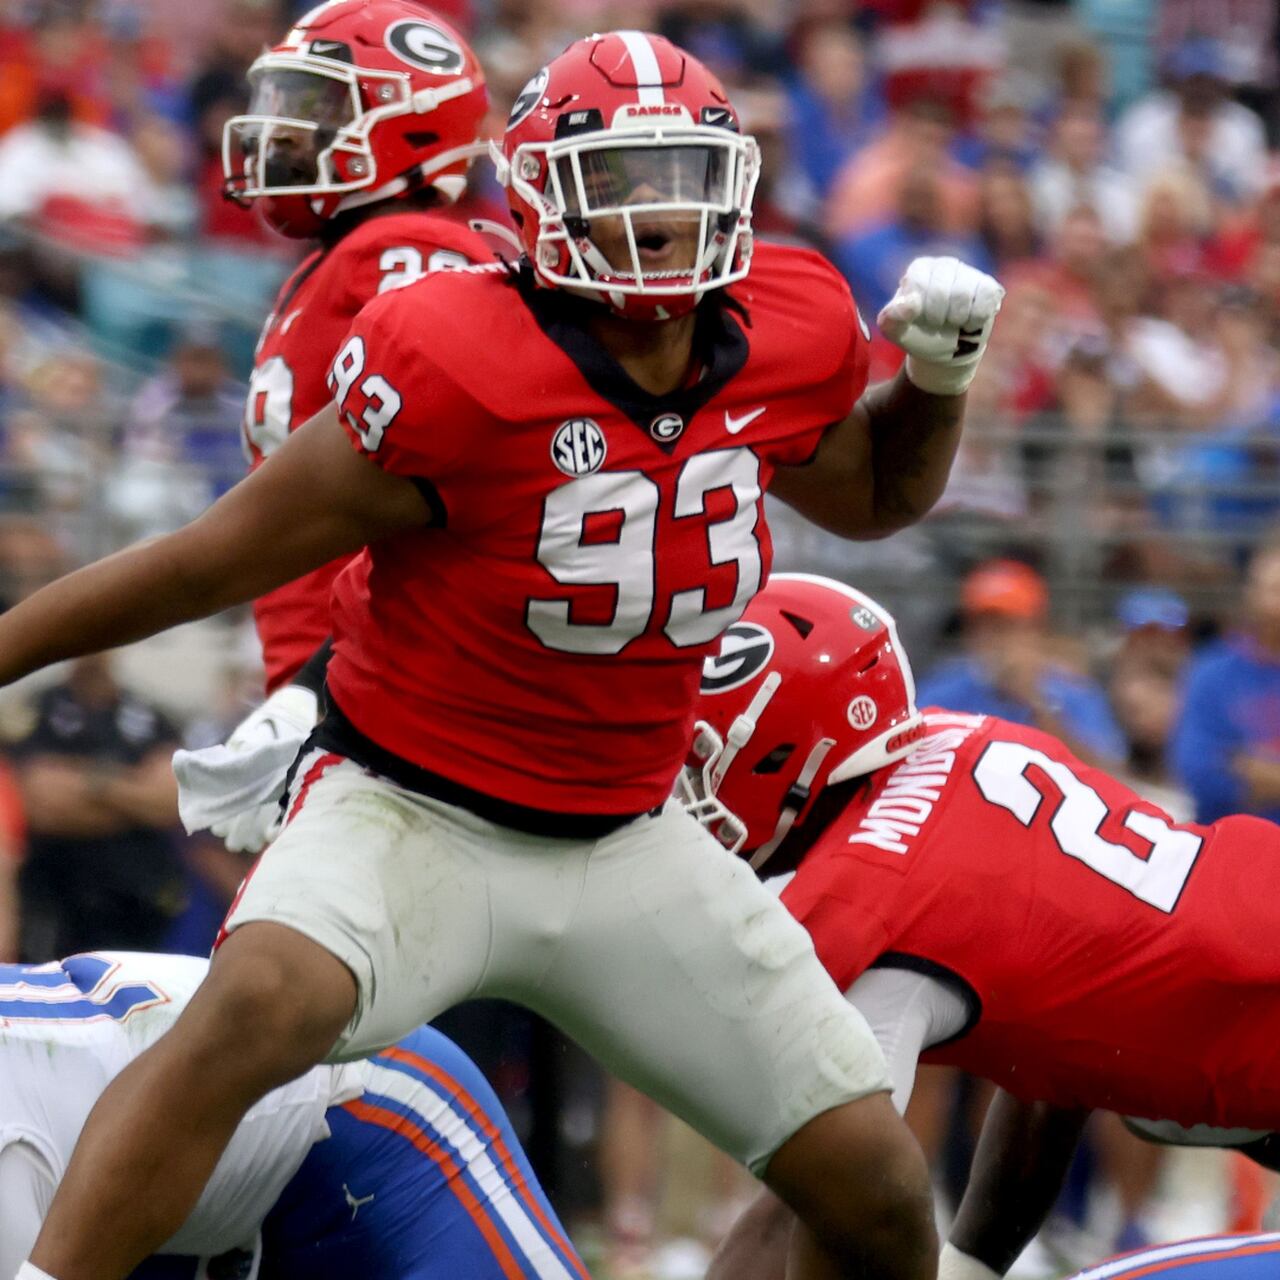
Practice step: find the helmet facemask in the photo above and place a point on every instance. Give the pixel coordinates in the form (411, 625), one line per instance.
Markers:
(660, 213)
(308, 130)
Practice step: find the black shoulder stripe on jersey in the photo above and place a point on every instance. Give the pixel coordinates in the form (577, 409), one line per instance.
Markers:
(435, 503)
(719, 340)
(948, 978)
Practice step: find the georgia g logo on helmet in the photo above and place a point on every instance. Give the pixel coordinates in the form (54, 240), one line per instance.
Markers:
(529, 98)
(425, 46)
(745, 650)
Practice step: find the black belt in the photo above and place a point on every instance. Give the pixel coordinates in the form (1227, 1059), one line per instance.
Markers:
(337, 734)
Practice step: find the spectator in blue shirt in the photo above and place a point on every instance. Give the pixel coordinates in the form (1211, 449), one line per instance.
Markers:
(1226, 743)
(1007, 670)
(834, 107)
(874, 258)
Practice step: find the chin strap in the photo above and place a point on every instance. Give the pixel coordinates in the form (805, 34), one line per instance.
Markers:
(451, 186)
(743, 727)
(499, 231)
(795, 802)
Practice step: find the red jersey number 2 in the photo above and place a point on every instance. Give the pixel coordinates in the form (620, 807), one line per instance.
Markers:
(1003, 777)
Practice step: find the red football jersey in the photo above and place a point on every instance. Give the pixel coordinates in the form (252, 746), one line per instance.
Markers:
(311, 317)
(542, 643)
(1113, 957)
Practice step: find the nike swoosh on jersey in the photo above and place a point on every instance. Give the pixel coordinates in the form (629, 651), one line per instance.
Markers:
(733, 425)
(289, 319)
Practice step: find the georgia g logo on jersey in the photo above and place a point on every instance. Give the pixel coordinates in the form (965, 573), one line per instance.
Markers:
(745, 650)
(425, 46)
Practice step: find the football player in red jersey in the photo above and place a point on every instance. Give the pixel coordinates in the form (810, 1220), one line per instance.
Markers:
(990, 902)
(557, 472)
(362, 124)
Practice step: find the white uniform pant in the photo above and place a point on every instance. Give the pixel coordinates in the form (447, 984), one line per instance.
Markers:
(653, 947)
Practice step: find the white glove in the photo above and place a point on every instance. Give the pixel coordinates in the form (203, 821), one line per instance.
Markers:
(954, 1265)
(234, 789)
(941, 317)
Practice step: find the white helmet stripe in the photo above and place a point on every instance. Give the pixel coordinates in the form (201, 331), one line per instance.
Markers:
(645, 62)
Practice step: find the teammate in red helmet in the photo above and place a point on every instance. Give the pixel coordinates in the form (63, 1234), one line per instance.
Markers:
(363, 101)
(361, 127)
(558, 472)
(989, 901)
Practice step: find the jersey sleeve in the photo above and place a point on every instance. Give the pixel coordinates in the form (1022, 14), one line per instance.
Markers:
(397, 405)
(846, 934)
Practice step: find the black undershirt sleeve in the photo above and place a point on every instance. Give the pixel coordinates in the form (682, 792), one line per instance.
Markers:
(312, 672)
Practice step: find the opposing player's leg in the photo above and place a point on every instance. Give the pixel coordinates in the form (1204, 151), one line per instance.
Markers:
(423, 1178)
(272, 1006)
(361, 922)
(687, 978)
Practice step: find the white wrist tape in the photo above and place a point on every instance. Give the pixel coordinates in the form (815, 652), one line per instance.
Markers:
(954, 1265)
(939, 379)
(29, 1272)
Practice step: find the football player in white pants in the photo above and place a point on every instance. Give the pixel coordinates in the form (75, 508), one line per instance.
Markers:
(401, 1167)
(556, 473)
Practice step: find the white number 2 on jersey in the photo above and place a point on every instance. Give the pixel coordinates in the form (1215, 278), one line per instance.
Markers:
(403, 265)
(268, 411)
(626, 562)
(1158, 879)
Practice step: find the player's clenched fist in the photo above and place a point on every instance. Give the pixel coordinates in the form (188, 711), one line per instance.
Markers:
(941, 317)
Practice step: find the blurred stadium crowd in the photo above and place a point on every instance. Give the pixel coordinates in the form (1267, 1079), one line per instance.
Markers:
(1103, 562)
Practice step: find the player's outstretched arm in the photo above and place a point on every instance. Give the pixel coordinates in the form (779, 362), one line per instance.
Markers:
(1018, 1169)
(885, 465)
(314, 500)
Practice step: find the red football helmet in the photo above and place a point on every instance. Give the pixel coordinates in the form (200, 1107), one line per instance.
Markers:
(811, 687)
(628, 176)
(363, 100)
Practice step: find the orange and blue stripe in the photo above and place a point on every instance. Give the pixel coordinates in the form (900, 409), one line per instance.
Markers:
(1239, 1257)
(422, 1179)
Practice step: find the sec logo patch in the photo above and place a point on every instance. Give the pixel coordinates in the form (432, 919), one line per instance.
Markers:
(862, 712)
(578, 448)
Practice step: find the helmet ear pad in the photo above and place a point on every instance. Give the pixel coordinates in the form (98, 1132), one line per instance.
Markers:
(810, 688)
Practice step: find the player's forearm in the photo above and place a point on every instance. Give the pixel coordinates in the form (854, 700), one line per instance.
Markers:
(914, 438)
(1018, 1170)
(880, 469)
